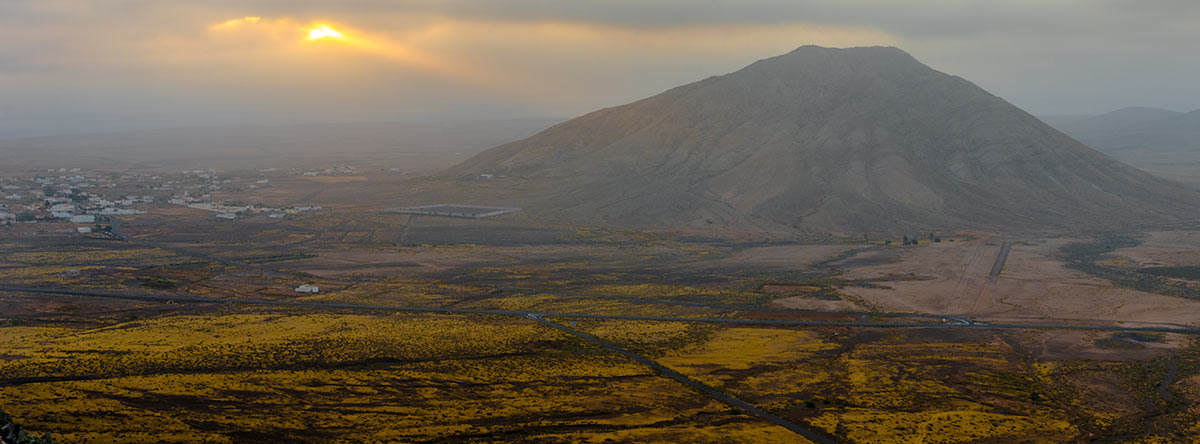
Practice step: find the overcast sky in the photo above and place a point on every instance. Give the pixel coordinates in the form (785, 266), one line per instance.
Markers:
(84, 65)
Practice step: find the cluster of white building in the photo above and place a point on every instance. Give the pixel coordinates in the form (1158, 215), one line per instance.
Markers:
(73, 194)
(68, 198)
(334, 171)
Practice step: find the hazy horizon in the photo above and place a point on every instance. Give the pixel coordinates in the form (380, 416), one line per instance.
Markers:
(621, 221)
(97, 66)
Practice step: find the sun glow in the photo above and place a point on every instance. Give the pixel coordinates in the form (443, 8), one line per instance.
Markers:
(323, 37)
(323, 31)
(233, 23)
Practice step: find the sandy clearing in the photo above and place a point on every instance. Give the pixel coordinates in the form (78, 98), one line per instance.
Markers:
(811, 303)
(1033, 285)
(939, 278)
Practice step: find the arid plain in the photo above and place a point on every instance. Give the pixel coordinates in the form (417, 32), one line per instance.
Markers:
(188, 325)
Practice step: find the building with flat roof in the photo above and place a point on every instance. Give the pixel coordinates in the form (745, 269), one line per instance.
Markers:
(310, 289)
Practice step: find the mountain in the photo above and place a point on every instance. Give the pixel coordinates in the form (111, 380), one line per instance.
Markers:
(1163, 142)
(819, 139)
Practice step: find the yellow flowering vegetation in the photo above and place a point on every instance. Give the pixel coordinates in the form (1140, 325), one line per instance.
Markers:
(895, 389)
(43, 273)
(84, 255)
(286, 377)
(251, 341)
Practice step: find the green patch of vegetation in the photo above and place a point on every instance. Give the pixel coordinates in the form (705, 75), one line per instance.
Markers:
(1083, 256)
(1118, 344)
(275, 258)
(11, 432)
(1189, 273)
(1129, 340)
(1141, 336)
(158, 283)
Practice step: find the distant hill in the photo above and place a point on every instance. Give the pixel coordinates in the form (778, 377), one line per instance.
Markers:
(411, 145)
(842, 140)
(1164, 142)
(1123, 119)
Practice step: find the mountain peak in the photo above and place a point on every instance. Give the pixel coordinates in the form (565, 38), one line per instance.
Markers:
(815, 49)
(811, 57)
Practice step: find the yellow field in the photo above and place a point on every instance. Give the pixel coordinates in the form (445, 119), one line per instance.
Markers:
(361, 378)
(887, 391)
(89, 255)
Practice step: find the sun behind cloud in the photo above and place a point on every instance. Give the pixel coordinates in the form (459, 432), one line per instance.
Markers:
(323, 31)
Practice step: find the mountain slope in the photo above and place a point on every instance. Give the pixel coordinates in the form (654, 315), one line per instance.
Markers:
(847, 140)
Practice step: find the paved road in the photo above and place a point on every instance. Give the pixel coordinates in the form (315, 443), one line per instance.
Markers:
(703, 388)
(1000, 259)
(777, 322)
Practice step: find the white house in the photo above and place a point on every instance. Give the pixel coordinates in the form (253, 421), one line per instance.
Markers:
(60, 215)
(83, 219)
(84, 230)
(227, 216)
(310, 289)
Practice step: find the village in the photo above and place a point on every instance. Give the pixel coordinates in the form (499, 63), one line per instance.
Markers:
(75, 200)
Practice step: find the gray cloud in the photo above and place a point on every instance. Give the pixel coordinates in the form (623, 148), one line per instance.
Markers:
(72, 65)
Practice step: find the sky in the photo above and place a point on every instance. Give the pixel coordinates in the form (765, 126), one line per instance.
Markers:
(70, 66)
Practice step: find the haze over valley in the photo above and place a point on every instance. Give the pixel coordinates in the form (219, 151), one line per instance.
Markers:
(1160, 141)
(560, 222)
